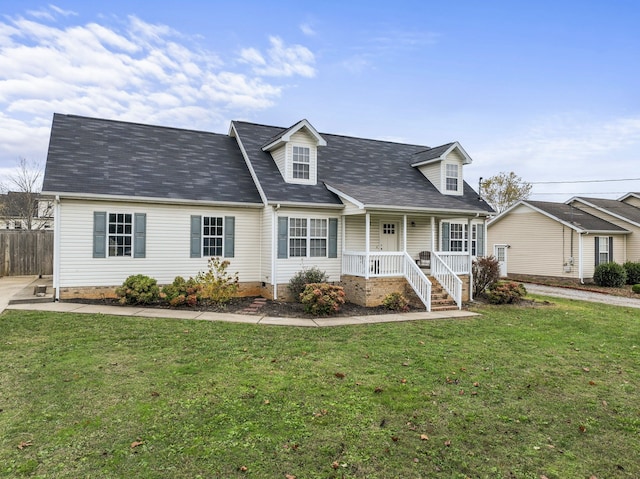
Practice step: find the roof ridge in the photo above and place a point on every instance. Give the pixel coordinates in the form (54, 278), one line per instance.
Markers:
(165, 127)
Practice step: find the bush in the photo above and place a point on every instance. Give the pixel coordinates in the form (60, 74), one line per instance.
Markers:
(396, 302)
(633, 272)
(636, 288)
(218, 286)
(611, 275)
(182, 291)
(138, 289)
(321, 299)
(505, 292)
(485, 272)
(305, 277)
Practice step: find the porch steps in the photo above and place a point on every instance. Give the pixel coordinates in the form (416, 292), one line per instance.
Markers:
(440, 299)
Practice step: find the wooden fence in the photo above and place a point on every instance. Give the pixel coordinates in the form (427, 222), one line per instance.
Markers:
(25, 252)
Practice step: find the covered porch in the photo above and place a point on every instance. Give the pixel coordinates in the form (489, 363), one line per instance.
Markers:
(382, 245)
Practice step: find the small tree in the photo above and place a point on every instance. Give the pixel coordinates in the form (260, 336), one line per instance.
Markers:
(504, 189)
(485, 272)
(23, 194)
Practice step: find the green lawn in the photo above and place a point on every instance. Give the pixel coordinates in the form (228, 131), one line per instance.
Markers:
(519, 392)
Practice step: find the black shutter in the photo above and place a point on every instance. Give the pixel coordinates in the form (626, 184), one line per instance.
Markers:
(597, 242)
(139, 237)
(333, 237)
(610, 249)
(229, 236)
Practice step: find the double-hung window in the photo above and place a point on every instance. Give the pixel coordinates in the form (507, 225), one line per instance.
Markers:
(307, 237)
(119, 234)
(604, 255)
(212, 236)
(451, 177)
(301, 163)
(457, 237)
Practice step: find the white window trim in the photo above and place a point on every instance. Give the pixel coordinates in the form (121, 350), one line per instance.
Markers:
(466, 241)
(130, 235)
(203, 237)
(312, 164)
(308, 236)
(603, 247)
(445, 176)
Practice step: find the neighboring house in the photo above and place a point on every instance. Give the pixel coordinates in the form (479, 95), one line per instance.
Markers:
(159, 201)
(565, 240)
(23, 211)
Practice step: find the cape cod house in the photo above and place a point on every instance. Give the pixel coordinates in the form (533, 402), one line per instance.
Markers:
(376, 216)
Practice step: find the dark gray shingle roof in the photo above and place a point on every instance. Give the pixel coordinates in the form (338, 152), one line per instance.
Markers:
(616, 207)
(576, 217)
(105, 157)
(371, 171)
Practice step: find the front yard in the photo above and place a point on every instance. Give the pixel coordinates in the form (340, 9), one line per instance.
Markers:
(520, 392)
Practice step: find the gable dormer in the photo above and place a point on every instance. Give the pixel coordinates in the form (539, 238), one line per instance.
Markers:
(295, 152)
(443, 167)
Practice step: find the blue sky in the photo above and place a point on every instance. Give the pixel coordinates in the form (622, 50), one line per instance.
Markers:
(548, 89)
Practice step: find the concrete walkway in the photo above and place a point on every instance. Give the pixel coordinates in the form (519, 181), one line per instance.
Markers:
(582, 295)
(17, 293)
(11, 286)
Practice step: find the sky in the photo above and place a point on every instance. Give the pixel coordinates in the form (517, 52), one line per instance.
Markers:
(547, 89)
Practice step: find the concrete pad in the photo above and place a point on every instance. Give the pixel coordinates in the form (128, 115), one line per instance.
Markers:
(53, 307)
(339, 321)
(289, 321)
(11, 286)
(230, 318)
(111, 310)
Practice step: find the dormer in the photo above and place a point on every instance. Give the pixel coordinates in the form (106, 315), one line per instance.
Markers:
(443, 166)
(295, 152)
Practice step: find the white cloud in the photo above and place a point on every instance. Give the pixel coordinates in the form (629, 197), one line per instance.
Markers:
(307, 29)
(281, 60)
(134, 71)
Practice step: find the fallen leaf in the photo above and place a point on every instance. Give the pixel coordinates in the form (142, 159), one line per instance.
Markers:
(592, 383)
(421, 342)
(244, 468)
(266, 401)
(424, 437)
(461, 393)
(339, 375)
(289, 476)
(155, 394)
(378, 390)
(476, 384)
(135, 444)
(405, 364)
(335, 464)
(593, 477)
(586, 370)
(447, 443)
(543, 477)
(24, 444)
(394, 438)
(403, 381)
(604, 404)
(582, 429)
(415, 459)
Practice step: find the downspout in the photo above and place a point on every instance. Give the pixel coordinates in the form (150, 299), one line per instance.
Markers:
(56, 248)
(580, 258)
(470, 256)
(274, 251)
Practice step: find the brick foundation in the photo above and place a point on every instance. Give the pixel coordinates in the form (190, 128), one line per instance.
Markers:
(108, 292)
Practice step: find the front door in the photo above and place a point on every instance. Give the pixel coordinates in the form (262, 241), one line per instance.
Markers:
(501, 255)
(388, 235)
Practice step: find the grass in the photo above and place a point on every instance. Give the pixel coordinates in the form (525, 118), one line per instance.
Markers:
(520, 392)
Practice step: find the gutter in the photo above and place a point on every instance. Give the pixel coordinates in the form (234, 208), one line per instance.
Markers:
(56, 248)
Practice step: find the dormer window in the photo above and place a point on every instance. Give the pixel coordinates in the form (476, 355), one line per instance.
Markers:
(451, 177)
(300, 162)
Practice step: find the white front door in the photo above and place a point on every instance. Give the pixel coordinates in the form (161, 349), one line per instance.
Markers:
(388, 235)
(500, 250)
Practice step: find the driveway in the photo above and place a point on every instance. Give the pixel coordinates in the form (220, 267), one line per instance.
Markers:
(12, 285)
(582, 295)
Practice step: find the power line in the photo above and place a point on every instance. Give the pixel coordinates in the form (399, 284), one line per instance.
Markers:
(579, 181)
(583, 193)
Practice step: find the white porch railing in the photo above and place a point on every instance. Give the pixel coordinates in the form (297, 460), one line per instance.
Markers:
(446, 275)
(457, 262)
(388, 264)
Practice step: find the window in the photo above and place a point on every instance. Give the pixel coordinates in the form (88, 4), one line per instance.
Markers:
(308, 237)
(298, 237)
(389, 229)
(603, 250)
(120, 234)
(474, 235)
(451, 177)
(212, 236)
(300, 162)
(457, 237)
(317, 238)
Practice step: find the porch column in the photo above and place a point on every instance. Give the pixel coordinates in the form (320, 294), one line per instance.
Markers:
(580, 258)
(367, 232)
(404, 233)
(433, 234)
(470, 257)
(344, 234)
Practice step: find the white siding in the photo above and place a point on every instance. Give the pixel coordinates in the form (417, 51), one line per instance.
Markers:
(633, 201)
(167, 244)
(432, 172)
(286, 268)
(266, 255)
(279, 155)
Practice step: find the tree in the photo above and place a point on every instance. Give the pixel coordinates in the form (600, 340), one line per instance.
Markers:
(504, 189)
(22, 200)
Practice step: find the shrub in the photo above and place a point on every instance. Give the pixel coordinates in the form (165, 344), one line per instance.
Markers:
(138, 289)
(305, 277)
(218, 286)
(633, 272)
(636, 288)
(505, 292)
(321, 298)
(182, 291)
(611, 275)
(396, 302)
(485, 272)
